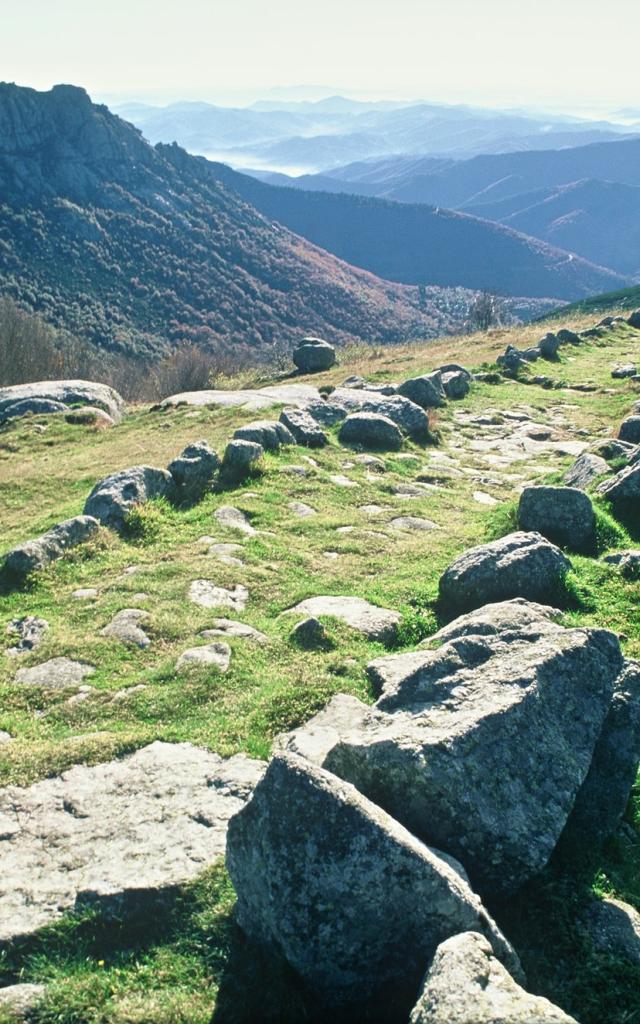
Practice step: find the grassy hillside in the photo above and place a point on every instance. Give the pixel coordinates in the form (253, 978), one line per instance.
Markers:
(175, 970)
(609, 303)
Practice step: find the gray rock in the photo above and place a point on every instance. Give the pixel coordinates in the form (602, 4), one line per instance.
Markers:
(310, 634)
(371, 430)
(228, 627)
(613, 449)
(623, 370)
(563, 515)
(31, 406)
(604, 795)
(299, 395)
(5, 737)
(85, 593)
(270, 434)
(414, 523)
(194, 470)
(614, 928)
(530, 355)
(354, 902)
(303, 427)
(66, 392)
(90, 416)
(107, 836)
(372, 463)
(426, 391)
(215, 655)
(407, 415)
(623, 489)
(208, 595)
(456, 384)
(115, 496)
(37, 554)
(28, 633)
(19, 1001)
(55, 674)
(125, 626)
(301, 509)
(227, 553)
(370, 620)
(314, 355)
(630, 430)
(548, 346)
(480, 747)
(567, 337)
(467, 984)
(456, 368)
(587, 468)
(634, 319)
(518, 565)
(240, 457)
(234, 519)
(627, 561)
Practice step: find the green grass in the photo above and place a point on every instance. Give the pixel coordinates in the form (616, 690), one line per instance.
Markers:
(130, 974)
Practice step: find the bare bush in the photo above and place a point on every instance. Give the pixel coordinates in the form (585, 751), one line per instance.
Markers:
(487, 310)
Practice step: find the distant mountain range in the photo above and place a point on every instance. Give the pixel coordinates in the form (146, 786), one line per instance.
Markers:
(418, 244)
(138, 248)
(324, 135)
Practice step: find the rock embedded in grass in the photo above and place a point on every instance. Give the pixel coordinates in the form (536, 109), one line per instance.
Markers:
(426, 391)
(413, 524)
(587, 468)
(55, 674)
(268, 433)
(67, 393)
(20, 1001)
(370, 430)
(310, 634)
(614, 928)
(563, 515)
(194, 471)
(630, 430)
(623, 490)
(114, 497)
(373, 622)
(304, 428)
(215, 655)
(240, 457)
(240, 630)
(126, 627)
(355, 903)
(467, 984)
(234, 519)
(35, 555)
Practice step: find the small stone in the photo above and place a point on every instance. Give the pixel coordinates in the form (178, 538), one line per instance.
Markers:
(614, 928)
(216, 655)
(268, 433)
(371, 430)
(5, 737)
(29, 632)
(240, 457)
(304, 428)
(194, 470)
(624, 370)
(20, 1000)
(484, 499)
(426, 391)
(630, 430)
(85, 593)
(299, 508)
(208, 595)
(373, 622)
(234, 519)
(563, 515)
(228, 627)
(125, 626)
(55, 674)
(413, 523)
(37, 554)
(90, 416)
(340, 480)
(587, 468)
(372, 462)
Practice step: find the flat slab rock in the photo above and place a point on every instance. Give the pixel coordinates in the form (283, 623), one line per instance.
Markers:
(373, 622)
(55, 674)
(298, 395)
(208, 595)
(120, 836)
(67, 392)
(215, 655)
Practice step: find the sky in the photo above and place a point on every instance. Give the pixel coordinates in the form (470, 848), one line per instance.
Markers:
(580, 55)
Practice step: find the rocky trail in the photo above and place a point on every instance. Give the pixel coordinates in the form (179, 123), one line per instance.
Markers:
(378, 644)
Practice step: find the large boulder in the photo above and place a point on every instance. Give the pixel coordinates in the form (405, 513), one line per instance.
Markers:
(567, 337)
(298, 395)
(120, 836)
(623, 490)
(313, 355)
(481, 747)
(66, 392)
(456, 384)
(113, 498)
(518, 565)
(355, 903)
(563, 515)
(268, 433)
(36, 554)
(304, 428)
(614, 928)
(370, 430)
(548, 346)
(194, 470)
(19, 1002)
(634, 319)
(32, 406)
(467, 984)
(407, 415)
(587, 468)
(426, 391)
(630, 430)
(240, 457)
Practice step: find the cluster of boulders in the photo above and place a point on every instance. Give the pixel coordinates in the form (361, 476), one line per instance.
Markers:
(83, 402)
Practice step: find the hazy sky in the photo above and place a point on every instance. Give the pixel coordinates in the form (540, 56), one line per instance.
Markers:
(572, 53)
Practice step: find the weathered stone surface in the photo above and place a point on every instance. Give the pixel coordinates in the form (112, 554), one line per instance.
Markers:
(90, 416)
(36, 554)
(426, 391)
(548, 346)
(353, 901)
(303, 427)
(27, 633)
(627, 561)
(55, 674)
(208, 595)
(563, 515)
(313, 355)
(5, 737)
(467, 984)
(614, 928)
(623, 370)
(234, 519)
(413, 523)
(113, 498)
(67, 392)
(371, 430)
(228, 627)
(31, 406)
(456, 384)
(194, 470)
(634, 319)
(327, 414)
(215, 655)
(298, 395)
(630, 430)
(270, 434)
(376, 623)
(20, 1000)
(125, 626)
(568, 337)
(481, 746)
(508, 619)
(310, 634)
(85, 593)
(301, 509)
(511, 362)
(226, 553)
(240, 457)
(407, 415)
(518, 565)
(121, 835)
(612, 448)
(587, 468)
(604, 795)
(623, 489)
